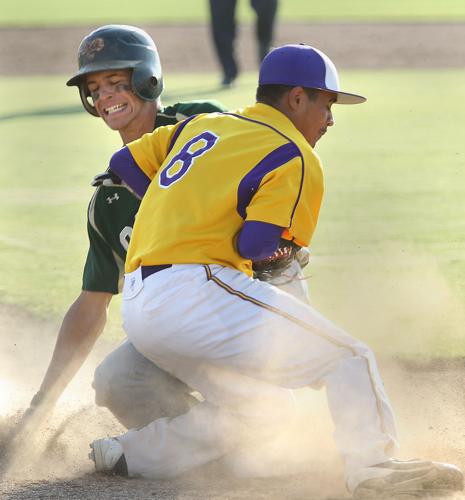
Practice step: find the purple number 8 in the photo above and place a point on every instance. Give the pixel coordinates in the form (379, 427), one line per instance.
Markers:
(186, 158)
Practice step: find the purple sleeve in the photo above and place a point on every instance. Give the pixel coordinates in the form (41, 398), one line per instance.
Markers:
(125, 167)
(258, 240)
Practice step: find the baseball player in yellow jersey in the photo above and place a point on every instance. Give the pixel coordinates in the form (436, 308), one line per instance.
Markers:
(120, 81)
(220, 190)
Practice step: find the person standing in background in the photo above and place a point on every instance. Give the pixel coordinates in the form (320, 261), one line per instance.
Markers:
(223, 26)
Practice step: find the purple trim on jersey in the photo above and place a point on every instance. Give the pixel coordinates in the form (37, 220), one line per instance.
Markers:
(178, 131)
(259, 123)
(249, 184)
(300, 191)
(122, 163)
(257, 240)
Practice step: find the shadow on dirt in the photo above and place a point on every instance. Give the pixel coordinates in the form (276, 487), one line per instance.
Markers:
(65, 110)
(106, 488)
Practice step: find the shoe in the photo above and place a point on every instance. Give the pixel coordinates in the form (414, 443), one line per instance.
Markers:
(406, 479)
(108, 456)
(228, 82)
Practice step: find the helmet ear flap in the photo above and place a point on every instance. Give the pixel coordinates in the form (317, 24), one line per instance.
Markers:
(146, 83)
(86, 100)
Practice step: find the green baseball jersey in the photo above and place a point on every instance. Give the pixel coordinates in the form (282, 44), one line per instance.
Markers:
(111, 212)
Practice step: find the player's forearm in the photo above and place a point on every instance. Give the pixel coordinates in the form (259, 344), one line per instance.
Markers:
(82, 325)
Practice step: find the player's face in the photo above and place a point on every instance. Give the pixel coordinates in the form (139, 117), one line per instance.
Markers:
(314, 115)
(114, 99)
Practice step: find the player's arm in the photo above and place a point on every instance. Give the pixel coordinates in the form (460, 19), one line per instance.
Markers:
(81, 326)
(183, 110)
(281, 214)
(270, 253)
(268, 198)
(257, 240)
(138, 162)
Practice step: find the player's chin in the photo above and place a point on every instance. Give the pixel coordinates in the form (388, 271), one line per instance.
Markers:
(116, 122)
(313, 140)
(321, 133)
(114, 126)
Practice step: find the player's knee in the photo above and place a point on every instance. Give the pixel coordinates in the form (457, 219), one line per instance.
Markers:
(359, 357)
(116, 375)
(100, 387)
(363, 350)
(106, 384)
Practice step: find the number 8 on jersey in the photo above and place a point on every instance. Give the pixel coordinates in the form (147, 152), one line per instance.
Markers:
(183, 161)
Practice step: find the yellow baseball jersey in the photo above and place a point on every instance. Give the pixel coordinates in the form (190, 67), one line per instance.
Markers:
(211, 173)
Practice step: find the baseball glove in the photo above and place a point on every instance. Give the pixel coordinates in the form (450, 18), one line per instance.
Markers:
(276, 264)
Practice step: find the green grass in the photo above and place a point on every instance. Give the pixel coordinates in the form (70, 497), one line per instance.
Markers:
(53, 12)
(388, 261)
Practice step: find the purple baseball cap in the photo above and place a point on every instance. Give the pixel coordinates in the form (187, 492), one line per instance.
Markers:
(303, 66)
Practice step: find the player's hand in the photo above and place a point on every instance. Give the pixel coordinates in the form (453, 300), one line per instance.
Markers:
(23, 430)
(108, 178)
(33, 416)
(303, 257)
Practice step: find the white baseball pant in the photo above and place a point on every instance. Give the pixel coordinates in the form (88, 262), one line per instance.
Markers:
(244, 344)
(137, 391)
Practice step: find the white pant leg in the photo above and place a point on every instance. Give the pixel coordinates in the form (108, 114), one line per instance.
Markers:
(238, 411)
(180, 319)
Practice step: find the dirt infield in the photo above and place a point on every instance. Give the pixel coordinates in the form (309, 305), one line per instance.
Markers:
(428, 400)
(427, 45)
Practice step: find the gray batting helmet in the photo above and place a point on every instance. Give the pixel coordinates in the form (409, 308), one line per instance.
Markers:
(119, 47)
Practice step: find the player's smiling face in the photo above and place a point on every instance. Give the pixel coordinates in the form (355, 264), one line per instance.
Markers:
(114, 99)
(313, 115)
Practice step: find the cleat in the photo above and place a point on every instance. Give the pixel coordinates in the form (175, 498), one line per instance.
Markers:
(397, 479)
(228, 82)
(108, 456)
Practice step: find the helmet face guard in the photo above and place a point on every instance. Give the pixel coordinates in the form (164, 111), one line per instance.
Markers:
(119, 47)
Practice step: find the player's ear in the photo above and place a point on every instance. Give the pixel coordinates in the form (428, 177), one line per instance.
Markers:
(294, 98)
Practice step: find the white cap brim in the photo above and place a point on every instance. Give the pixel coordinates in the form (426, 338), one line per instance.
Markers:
(346, 98)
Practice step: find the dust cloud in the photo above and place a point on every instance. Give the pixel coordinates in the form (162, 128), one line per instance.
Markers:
(54, 452)
(395, 299)
(400, 313)
(52, 446)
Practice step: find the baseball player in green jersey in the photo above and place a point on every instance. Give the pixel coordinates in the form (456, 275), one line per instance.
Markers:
(246, 179)
(120, 80)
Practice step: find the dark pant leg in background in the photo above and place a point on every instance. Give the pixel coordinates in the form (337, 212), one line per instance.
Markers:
(223, 26)
(266, 15)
